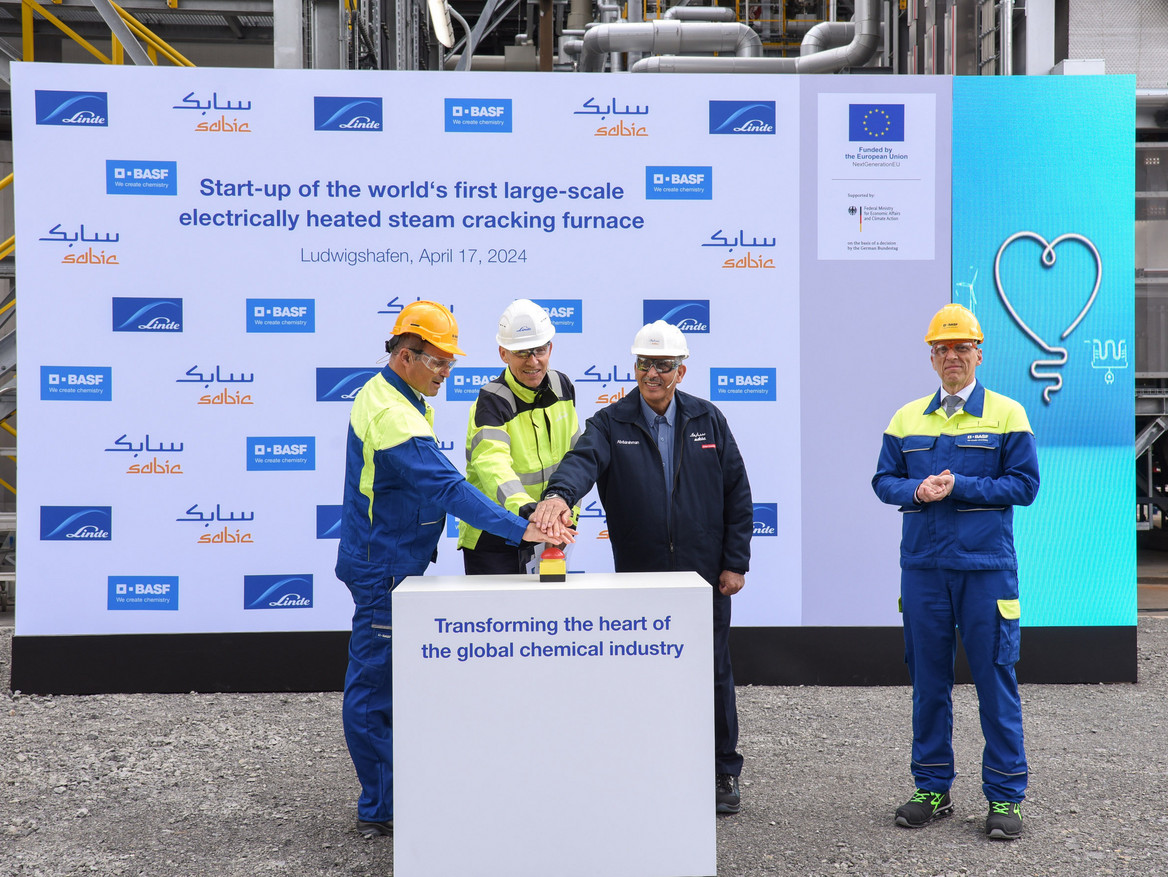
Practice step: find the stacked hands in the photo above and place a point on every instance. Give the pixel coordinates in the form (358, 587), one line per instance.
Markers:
(934, 487)
(552, 522)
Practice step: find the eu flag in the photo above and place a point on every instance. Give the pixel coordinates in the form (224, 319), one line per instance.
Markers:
(876, 122)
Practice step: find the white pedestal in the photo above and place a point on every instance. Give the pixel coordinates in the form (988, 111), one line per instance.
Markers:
(511, 758)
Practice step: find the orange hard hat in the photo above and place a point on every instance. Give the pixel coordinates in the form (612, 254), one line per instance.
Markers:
(431, 322)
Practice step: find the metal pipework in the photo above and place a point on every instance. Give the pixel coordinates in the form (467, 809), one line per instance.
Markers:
(700, 13)
(865, 41)
(666, 35)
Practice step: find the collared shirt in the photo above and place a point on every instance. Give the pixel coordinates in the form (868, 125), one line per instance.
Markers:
(964, 393)
(662, 433)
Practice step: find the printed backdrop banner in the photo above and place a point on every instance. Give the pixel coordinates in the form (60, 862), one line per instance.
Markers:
(212, 259)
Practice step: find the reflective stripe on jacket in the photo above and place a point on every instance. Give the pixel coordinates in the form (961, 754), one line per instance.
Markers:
(990, 449)
(399, 485)
(515, 439)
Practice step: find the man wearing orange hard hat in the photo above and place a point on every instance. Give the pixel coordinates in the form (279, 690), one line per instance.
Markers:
(956, 463)
(398, 488)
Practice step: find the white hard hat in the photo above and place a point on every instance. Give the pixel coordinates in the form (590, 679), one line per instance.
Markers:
(524, 325)
(660, 339)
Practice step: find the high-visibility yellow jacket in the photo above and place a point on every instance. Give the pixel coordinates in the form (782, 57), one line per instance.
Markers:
(515, 439)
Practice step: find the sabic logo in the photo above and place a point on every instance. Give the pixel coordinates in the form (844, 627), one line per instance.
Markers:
(86, 109)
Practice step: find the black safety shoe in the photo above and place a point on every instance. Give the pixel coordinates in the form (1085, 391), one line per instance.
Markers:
(922, 808)
(1004, 821)
(370, 830)
(726, 793)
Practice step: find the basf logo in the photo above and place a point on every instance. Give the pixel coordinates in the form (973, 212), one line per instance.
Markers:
(743, 384)
(281, 453)
(483, 115)
(76, 523)
(147, 314)
(143, 592)
(464, 382)
(86, 109)
(567, 313)
(347, 113)
(328, 521)
(341, 384)
(742, 117)
(678, 183)
(77, 383)
(277, 592)
(124, 177)
(281, 315)
(691, 316)
(766, 519)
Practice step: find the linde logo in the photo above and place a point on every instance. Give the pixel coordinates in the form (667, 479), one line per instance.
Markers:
(483, 115)
(281, 315)
(679, 183)
(125, 177)
(277, 592)
(76, 383)
(86, 109)
(743, 384)
(341, 384)
(464, 382)
(328, 521)
(347, 113)
(143, 592)
(292, 453)
(147, 314)
(742, 117)
(567, 313)
(70, 523)
(691, 315)
(766, 519)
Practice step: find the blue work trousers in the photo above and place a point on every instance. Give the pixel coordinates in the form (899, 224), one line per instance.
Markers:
(726, 757)
(936, 603)
(367, 711)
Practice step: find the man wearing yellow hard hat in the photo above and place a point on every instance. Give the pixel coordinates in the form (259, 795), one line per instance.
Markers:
(398, 487)
(956, 463)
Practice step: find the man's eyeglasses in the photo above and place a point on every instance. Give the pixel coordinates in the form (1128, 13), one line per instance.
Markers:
(663, 366)
(960, 349)
(434, 363)
(537, 352)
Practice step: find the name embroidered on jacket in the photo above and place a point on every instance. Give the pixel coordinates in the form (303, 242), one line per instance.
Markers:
(626, 442)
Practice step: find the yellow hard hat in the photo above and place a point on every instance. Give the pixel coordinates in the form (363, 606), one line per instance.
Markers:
(431, 322)
(953, 323)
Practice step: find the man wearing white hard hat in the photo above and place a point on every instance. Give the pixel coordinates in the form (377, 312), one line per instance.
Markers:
(521, 425)
(674, 488)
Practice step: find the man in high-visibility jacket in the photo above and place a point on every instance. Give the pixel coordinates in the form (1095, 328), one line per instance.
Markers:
(398, 487)
(520, 427)
(956, 463)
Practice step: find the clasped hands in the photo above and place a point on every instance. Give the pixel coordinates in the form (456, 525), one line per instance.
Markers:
(935, 487)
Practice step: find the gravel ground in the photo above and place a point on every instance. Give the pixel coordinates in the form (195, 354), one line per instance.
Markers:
(255, 784)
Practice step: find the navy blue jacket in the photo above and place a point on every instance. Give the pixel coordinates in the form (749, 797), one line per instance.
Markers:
(712, 518)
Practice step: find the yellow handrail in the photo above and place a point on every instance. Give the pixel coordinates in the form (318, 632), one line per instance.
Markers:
(7, 247)
(2, 310)
(9, 486)
(151, 39)
(64, 28)
(6, 182)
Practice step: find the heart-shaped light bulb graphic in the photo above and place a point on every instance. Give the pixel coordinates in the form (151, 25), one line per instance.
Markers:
(1048, 260)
